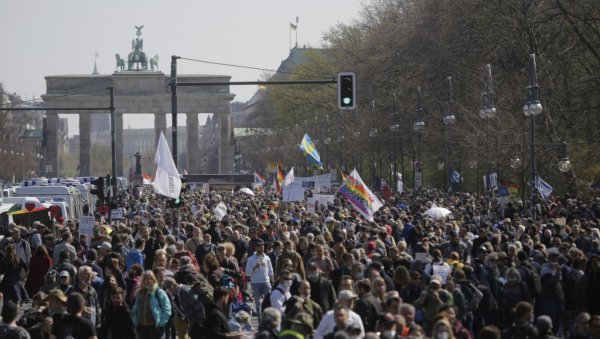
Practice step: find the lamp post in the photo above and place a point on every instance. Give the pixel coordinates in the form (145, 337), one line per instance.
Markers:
(449, 118)
(418, 126)
(395, 129)
(327, 142)
(372, 135)
(532, 108)
(487, 112)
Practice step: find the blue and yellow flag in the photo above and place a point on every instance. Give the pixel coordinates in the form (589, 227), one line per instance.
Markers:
(308, 149)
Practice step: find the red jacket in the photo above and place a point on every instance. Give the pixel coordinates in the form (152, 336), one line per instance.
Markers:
(38, 267)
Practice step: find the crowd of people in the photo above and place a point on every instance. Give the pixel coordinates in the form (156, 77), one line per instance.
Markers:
(487, 270)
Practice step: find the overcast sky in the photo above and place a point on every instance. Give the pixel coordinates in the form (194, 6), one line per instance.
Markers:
(59, 37)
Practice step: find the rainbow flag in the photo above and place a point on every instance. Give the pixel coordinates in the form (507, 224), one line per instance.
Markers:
(344, 175)
(359, 196)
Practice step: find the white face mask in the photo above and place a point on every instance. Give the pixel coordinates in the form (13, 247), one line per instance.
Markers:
(287, 283)
(389, 334)
(443, 335)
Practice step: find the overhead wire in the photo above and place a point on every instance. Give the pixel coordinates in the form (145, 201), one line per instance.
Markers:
(250, 67)
(57, 96)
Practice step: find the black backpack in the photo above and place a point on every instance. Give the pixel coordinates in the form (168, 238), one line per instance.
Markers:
(267, 299)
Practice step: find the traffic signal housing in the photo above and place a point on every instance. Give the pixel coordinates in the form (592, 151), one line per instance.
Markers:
(346, 83)
(99, 188)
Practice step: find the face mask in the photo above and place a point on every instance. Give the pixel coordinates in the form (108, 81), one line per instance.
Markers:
(443, 335)
(313, 277)
(389, 334)
(287, 283)
(513, 280)
(85, 282)
(148, 286)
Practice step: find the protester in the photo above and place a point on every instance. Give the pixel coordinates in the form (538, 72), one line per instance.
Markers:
(73, 325)
(8, 327)
(472, 267)
(152, 308)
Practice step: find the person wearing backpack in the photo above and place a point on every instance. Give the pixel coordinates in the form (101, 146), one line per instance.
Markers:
(512, 293)
(281, 293)
(260, 271)
(152, 308)
(188, 307)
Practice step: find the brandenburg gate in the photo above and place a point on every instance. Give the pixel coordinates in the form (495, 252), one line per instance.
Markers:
(138, 90)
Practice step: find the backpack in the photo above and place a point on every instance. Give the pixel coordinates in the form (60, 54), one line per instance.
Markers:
(532, 279)
(472, 294)
(267, 299)
(227, 281)
(203, 290)
(51, 279)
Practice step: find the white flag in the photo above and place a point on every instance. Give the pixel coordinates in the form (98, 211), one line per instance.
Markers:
(289, 178)
(543, 187)
(167, 181)
(220, 211)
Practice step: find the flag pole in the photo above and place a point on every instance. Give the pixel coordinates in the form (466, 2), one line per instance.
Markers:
(296, 31)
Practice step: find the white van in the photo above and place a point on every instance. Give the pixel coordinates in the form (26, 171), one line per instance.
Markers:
(69, 195)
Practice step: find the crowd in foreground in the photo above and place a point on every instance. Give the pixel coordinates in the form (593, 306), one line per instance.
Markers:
(485, 271)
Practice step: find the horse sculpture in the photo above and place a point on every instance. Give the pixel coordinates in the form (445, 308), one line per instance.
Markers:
(120, 63)
(154, 63)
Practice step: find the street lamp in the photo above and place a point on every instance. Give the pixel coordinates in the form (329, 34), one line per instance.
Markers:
(488, 112)
(449, 118)
(418, 126)
(532, 108)
(564, 165)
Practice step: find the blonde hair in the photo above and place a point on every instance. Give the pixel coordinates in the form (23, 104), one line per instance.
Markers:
(142, 289)
(229, 248)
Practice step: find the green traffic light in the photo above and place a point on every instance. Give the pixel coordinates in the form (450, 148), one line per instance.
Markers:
(347, 101)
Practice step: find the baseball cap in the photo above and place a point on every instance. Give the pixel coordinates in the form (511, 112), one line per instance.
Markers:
(553, 251)
(64, 274)
(436, 279)
(105, 246)
(387, 318)
(347, 295)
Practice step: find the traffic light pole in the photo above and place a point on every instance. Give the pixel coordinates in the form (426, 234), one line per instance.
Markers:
(173, 85)
(113, 144)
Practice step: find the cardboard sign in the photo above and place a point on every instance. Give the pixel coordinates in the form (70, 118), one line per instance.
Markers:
(86, 226)
(116, 214)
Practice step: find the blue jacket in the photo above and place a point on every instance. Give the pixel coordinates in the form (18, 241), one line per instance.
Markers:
(160, 306)
(134, 256)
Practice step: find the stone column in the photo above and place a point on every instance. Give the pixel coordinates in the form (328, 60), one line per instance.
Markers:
(85, 167)
(160, 124)
(51, 139)
(225, 144)
(119, 140)
(193, 149)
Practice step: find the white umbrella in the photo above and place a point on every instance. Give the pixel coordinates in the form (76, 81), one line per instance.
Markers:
(437, 212)
(246, 190)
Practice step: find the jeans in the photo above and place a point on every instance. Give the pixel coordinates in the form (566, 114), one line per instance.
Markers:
(260, 290)
(150, 332)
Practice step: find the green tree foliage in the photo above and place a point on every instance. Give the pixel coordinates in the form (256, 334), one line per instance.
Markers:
(395, 46)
